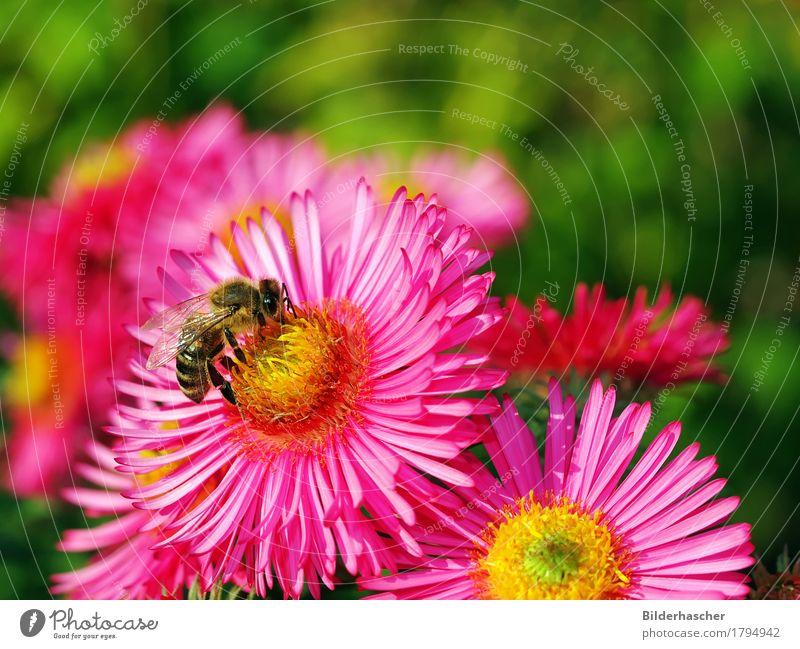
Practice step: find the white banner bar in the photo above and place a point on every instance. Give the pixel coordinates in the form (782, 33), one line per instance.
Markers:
(405, 625)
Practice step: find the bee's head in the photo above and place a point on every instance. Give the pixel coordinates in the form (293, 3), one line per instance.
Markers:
(270, 292)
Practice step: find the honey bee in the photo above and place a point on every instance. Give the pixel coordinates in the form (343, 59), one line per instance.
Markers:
(195, 331)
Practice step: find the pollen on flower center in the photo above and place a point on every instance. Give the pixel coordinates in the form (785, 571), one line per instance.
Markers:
(550, 549)
(28, 381)
(302, 380)
(156, 474)
(251, 211)
(99, 163)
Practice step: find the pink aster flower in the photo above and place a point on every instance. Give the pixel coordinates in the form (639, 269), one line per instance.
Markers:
(631, 343)
(479, 192)
(209, 179)
(41, 403)
(584, 524)
(340, 411)
(64, 271)
(72, 234)
(124, 565)
(59, 274)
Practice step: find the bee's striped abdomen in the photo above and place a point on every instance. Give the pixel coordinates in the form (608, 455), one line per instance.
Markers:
(191, 365)
(191, 372)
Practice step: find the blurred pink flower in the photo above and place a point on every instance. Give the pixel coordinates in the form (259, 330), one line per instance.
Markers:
(339, 411)
(71, 263)
(61, 273)
(124, 565)
(41, 403)
(79, 262)
(630, 343)
(480, 192)
(211, 175)
(575, 528)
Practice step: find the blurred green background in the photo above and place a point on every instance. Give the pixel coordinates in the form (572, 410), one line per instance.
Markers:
(729, 82)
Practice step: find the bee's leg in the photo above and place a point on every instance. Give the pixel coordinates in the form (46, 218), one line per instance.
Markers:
(262, 323)
(287, 301)
(237, 351)
(229, 364)
(219, 382)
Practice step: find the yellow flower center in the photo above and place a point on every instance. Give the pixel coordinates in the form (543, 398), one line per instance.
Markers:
(302, 381)
(101, 164)
(550, 550)
(253, 211)
(224, 230)
(161, 472)
(28, 381)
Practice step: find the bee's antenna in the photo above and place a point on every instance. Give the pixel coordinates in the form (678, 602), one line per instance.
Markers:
(287, 301)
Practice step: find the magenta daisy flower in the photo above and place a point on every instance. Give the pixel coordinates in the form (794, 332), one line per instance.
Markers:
(124, 564)
(63, 269)
(629, 342)
(480, 192)
(231, 176)
(339, 412)
(585, 524)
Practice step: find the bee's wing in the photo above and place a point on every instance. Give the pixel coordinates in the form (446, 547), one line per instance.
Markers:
(182, 325)
(175, 315)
